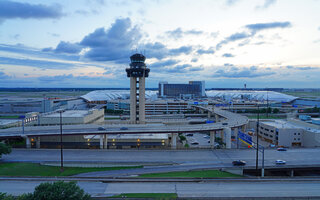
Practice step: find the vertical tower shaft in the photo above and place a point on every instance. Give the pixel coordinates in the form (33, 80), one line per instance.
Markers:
(137, 73)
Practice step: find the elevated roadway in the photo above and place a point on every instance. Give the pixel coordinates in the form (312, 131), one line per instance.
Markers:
(231, 121)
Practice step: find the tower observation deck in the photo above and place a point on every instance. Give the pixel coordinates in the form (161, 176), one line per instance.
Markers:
(137, 72)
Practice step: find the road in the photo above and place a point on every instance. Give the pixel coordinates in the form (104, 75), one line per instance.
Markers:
(233, 120)
(162, 160)
(204, 189)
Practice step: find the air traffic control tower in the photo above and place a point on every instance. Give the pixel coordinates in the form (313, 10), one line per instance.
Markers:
(137, 72)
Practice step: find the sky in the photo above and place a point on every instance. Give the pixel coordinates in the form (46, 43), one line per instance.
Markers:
(226, 43)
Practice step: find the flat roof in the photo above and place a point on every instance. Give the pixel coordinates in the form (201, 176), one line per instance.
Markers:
(162, 136)
(70, 113)
(280, 124)
(8, 121)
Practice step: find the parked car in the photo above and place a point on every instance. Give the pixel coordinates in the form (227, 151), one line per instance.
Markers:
(101, 128)
(225, 123)
(239, 162)
(281, 149)
(123, 128)
(189, 134)
(280, 162)
(206, 136)
(194, 143)
(272, 145)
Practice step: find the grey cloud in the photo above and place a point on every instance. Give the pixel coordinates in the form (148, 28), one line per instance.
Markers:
(208, 51)
(181, 50)
(113, 44)
(179, 33)
(179, 68)
(4, 76)
(262, 26)
(67, 47)
(195, 69)
(301, 67)
(163, 63)
(194, 60)
(251, 72)
(227, 55)
(35, 63)
(57, 78)
(252, 30)
(11, 10)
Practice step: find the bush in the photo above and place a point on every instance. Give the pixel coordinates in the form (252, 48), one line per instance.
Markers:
(182, 138)
(4, 149)
(57, 191)
(4, 196)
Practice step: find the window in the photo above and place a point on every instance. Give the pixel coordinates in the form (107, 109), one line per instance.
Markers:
(295, 133)
(295, 139)
(298, 133)
(298, 138)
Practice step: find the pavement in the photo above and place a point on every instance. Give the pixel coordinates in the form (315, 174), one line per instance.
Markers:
(203, 189)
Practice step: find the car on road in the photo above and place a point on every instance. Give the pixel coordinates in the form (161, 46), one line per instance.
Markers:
(101, 128)
(281, 149)
(239, 162)
(224, 123)
(280, 162)
(189, 134)
(194, 143)
(206, 136)
(272, 145)
(123, 128)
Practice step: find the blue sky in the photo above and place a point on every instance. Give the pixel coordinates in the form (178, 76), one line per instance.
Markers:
(227, 43)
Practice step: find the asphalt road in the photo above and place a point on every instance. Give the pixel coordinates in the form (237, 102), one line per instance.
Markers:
(205, 189)
(163, 160)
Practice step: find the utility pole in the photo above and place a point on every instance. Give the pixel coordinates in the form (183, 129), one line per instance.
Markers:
(257, 132)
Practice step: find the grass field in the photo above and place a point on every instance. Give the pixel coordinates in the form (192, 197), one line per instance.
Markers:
(147, 195)
(32, 169)
(191, 174)
(9, 117)
(312, 95)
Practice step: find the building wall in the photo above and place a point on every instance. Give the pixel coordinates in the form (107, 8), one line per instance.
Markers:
(195, 88)
(311, 139)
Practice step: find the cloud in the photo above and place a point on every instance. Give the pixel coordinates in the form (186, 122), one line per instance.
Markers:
(11, 10)
(165, 63)
(179, 33)
(301, 67)
(113, 44)
(251, 31)
(262, 26)
(208, 51)
(179, 68)
(4, 76)
(227, 55)
(67, 47)
(231, 2)
(194, 60)
(180, 50)
(43, 64)
(57, 78)
(267, 4)
(234, 72)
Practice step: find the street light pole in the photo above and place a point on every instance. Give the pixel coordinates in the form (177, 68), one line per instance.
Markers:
(61, 144)
(257, 131)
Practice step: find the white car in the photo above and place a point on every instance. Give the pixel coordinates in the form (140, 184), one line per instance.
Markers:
(280, 162)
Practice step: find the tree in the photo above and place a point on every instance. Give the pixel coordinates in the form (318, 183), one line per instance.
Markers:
(4, 196)
(57, 191)
(4, 149)
(275, 110)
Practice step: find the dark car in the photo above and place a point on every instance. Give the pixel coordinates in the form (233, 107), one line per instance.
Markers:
(123, 128)
(281, 149)
(224, 123)
(189, 134)
(194, 143)
(239, 163)
(101, 129)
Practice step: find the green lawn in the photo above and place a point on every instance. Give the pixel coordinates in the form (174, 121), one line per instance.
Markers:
(9, 117)
(147, 195)
(191, 174)
(32, 169)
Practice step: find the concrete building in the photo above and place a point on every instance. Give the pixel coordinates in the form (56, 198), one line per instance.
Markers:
(72, 117)
(25, 105)
(137, 73)
(194, 89)
(290, 133)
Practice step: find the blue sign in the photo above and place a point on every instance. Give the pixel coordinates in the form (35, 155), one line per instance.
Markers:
(22, 117)
(247, 139)
(209, 122)
(196, 103)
